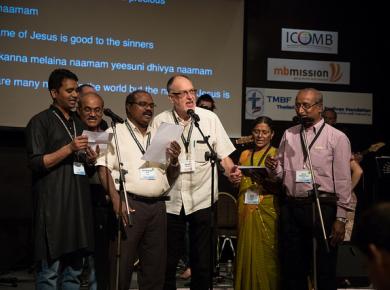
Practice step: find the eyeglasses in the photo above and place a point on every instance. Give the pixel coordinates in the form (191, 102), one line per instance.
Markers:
(305, 106)
(182, 94)
(145, 104)
(97, 111)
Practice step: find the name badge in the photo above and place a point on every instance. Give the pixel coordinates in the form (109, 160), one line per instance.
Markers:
(187, 166)
(147, 173)
(78, 168)
(303, 176)
(251, 197)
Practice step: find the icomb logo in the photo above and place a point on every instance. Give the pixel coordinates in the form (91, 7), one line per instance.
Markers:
(309, 40)
(294, 70)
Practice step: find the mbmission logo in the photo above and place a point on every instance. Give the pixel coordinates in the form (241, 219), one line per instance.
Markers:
(294, 70)
(309, 41)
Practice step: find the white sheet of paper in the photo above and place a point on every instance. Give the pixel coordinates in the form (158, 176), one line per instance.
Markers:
(165, 134)
(98, 138)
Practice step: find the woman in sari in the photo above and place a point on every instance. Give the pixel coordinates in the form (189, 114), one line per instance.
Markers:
(257, 261)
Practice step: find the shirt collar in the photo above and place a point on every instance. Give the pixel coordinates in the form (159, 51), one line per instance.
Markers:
(317, 126)
(135, 128)
(181, 120)
(59, 112)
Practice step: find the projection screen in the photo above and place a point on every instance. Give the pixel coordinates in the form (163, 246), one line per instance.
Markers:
(119, 46)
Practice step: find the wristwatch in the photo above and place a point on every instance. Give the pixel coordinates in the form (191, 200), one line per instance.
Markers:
(176, 164)
(341, 219)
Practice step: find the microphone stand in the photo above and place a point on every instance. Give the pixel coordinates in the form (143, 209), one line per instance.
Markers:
(315, 203)
(122, 192)
(212, 156)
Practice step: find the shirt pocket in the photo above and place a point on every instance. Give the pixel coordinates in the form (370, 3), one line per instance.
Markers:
(322, 159)
(200, 151)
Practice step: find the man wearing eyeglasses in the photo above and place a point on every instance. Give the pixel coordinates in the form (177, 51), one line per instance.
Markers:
(147, 185)
(190, 195)
(330, 153)
(90, 110)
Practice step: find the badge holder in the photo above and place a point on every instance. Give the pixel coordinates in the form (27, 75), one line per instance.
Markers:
(315, 204)
(122, 192)
(212, 157)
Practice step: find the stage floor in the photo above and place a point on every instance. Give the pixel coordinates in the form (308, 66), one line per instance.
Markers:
(25, 281)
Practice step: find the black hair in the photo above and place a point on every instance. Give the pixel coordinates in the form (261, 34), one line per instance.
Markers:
(260, 120)
(207, 98)
(57, 76)
(131, 97)
(263, 119)
(374, 228)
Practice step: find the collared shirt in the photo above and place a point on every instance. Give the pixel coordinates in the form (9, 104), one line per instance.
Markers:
(62, 204)
(132, 162)
(330, 156)
(192, 190)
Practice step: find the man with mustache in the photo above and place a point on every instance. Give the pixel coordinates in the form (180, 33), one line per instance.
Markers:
(190, 196)
(58, 153)
(147, 185)
(90, 110)
(330, 153)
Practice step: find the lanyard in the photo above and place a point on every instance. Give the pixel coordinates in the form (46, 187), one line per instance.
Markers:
(312, 142)
(66, 127)
(262, 156)
(185, 142)
(136, 140)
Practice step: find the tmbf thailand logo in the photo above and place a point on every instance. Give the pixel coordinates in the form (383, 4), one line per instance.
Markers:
(254, 103)
(309, 41)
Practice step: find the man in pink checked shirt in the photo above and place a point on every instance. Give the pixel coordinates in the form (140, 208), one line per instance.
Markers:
(330, 154)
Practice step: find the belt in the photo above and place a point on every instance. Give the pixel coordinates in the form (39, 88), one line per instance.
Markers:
(322, 195)
(150, 199)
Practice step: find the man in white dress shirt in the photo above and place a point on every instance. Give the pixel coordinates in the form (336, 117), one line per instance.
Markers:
(191, 193)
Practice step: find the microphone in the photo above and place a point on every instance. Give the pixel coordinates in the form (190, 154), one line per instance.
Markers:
(305, 121)
(114, 117)
(296, 120)
(193, 115)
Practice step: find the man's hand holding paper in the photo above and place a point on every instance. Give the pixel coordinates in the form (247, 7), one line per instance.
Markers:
(157, 150)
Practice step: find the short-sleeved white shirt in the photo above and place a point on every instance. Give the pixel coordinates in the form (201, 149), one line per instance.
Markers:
(132, 162)
(193, 190)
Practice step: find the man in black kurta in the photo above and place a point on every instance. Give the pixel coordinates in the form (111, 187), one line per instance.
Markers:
(63, 229)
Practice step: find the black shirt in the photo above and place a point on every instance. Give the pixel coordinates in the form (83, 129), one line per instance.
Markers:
(62, 203)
